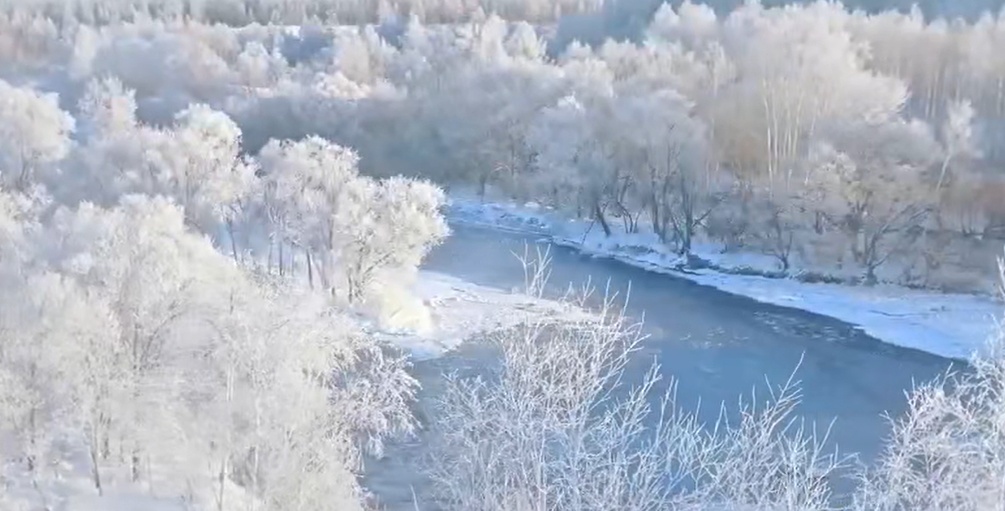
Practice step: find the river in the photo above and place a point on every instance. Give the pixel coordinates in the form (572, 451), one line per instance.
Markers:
(717, 345)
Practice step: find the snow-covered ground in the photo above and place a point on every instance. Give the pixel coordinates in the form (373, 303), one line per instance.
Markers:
(459, 310)
(949, 325)
(67, 485)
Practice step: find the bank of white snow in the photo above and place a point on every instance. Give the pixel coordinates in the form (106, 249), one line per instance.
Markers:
(948, 325)
(459, 310)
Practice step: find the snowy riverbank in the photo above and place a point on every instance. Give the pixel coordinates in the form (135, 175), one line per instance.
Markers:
(949, 325)
(459, 310)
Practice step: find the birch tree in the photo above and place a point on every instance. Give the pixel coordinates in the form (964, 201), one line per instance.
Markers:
(34, 367)
(160, 282)
(308, 190)
(297, 397)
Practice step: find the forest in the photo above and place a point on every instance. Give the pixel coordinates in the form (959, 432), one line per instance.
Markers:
(203, 204)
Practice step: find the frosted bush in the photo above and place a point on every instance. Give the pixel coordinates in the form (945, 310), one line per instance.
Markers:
(556, 426)
(948, 450)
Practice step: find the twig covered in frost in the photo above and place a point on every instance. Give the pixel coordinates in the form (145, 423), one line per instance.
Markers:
(536, 269)
(558, 427)
(948, 450)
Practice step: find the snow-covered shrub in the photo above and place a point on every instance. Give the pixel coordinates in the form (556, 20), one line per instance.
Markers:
(557, 427)
(948, 450)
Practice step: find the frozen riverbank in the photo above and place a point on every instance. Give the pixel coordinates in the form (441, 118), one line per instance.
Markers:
(948, 325)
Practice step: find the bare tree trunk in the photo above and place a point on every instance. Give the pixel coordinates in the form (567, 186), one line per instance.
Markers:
(942, 178)
(657, 219)
(233, 241)
(221, 478)
(24, 177)
(255, 458)
(134, 465)
(95, 467)
(268, 263)
(30, 458)
(599, 214)
(483, 184)
(310, 269)
(282, 265)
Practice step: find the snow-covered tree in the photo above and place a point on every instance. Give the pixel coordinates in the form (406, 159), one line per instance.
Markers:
(674, 179)
(107, 107)
(781, 220)
(308, 192)
(958, 138)
(34, 366)
(198, 162)
(160, 282)
(202, 168)
(352, 227)
(401, 223)
(576, 156)
(294, 397)
(348, 394)
(872, 176)
(34, 134)
(19, 218)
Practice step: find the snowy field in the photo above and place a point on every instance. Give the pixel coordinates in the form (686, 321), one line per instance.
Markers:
(948, 325)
